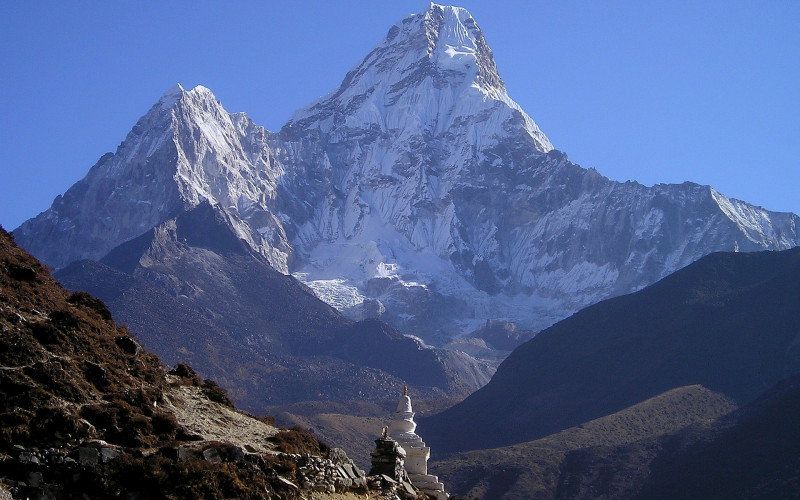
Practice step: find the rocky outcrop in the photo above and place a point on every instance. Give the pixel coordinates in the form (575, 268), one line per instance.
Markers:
(86, 412)
(57, 473)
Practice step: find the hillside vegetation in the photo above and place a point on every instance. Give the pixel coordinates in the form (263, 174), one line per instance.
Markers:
(86, 412)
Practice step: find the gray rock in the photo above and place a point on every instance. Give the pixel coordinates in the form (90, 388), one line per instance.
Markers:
(108, 454)
(35, 479)
(4, 493)
(212, 455)
(237, 454)
(348, 469)
(129, 345)
(338, 456)
(88, 457)
(185, 453)
(27, 457)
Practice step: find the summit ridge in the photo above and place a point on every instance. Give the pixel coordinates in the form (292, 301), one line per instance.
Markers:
(417, 191)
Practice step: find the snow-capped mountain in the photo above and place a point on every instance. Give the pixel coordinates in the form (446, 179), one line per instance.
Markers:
(418, 191)
(185, 150)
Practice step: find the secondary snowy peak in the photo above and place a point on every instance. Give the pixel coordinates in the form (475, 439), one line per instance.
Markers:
(171, 96)
(185, 150)
(433, 71)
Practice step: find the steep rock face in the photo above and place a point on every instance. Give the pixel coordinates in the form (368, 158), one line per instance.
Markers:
(417, 192)
(193, 291)
(429, 174)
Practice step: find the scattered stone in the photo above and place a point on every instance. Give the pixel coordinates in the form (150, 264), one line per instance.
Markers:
(88, 457)
(212, 455)
(95, 373)
(108, 454)
(236, 454)
(55, 457)
(348, 469)
(27, 457)
(185, 453)
(129, 345)
(35, 479)
(288, 483)
(338, 456)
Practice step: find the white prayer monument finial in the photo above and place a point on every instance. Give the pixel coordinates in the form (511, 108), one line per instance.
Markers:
(417, 454)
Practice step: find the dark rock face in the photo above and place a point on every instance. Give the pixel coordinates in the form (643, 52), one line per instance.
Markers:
(729, 322)
(205, 298)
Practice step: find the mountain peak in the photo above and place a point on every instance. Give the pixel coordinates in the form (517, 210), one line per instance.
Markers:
(171, 96)
(456, 43)
(432, 71)
(177, 92)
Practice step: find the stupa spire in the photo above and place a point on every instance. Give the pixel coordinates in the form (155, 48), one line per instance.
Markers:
(402, 429)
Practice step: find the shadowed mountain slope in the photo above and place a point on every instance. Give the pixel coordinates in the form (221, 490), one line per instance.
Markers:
(620, 445)
(729, 322)
(686, 443)
(192, 291)
(754, 453)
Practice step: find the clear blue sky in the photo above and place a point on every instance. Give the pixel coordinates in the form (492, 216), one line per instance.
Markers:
(652, 91)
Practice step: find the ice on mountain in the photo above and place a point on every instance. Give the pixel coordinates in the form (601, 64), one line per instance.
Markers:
(418, 183)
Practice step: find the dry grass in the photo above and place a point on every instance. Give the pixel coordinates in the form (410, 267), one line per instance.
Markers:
(69, 374)
(626, 442)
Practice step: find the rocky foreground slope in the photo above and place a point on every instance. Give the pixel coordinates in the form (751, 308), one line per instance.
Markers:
(86, 412)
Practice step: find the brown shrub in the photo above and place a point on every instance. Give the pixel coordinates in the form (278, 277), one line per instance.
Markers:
(282, 466)
(64, 319)
(299, 440)
(165, 424)
(46, 333)
(53, 425)
(267, 420)
(159, 477)
(186, 375)
(86, 300)
(216, 393)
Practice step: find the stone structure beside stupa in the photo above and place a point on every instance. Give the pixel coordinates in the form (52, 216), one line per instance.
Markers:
(402, 430)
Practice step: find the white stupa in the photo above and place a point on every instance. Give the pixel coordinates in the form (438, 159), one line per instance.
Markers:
(417, 454)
